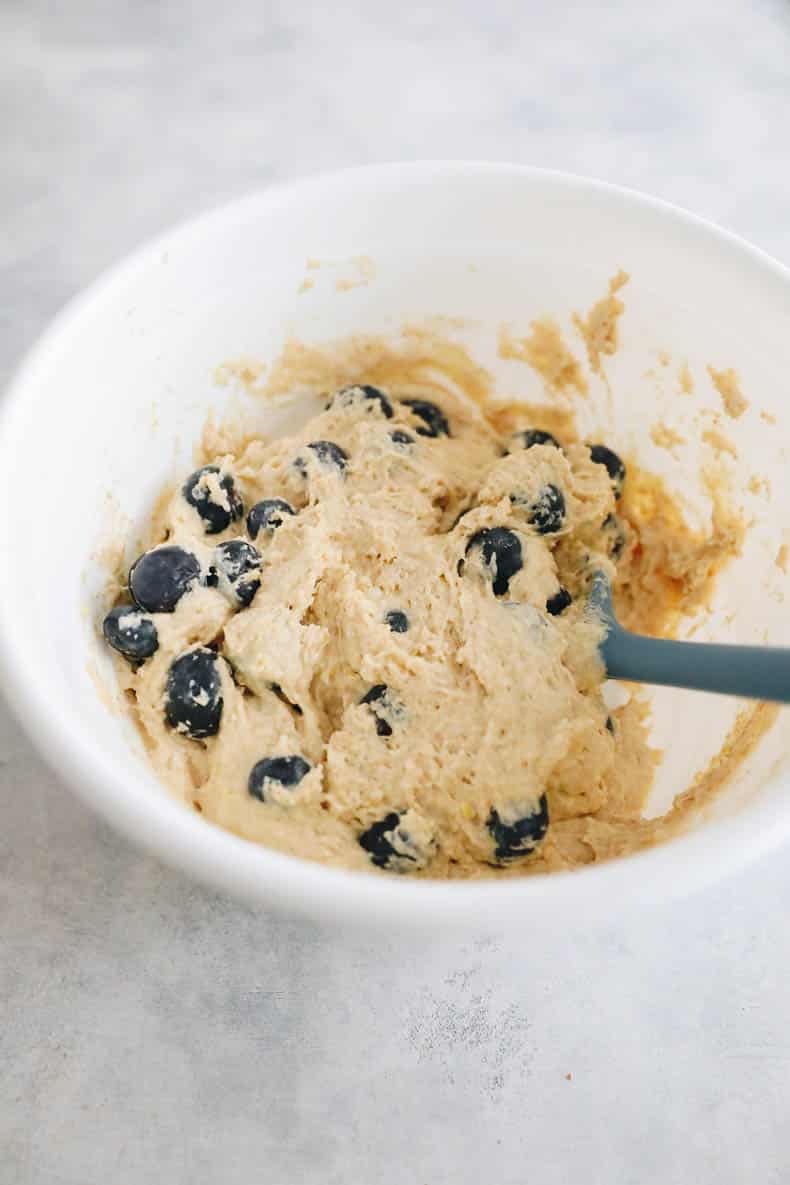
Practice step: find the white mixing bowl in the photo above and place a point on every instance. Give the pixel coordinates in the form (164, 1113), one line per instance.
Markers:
(108, 404)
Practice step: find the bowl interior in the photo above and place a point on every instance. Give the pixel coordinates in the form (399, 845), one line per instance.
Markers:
(111, 402)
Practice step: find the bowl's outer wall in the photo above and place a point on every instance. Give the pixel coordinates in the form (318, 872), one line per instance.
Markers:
(109, 403)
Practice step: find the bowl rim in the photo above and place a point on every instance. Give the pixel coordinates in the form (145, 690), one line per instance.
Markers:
(263, 876)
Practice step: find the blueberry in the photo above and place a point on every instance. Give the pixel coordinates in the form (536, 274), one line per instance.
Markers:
(602, 455)
(397, 621)
(371, 395)
(160, 577)
(399, 437)
(547, 513)
(380, 704)
(284, 771)
(434, 421)
(193, 694)
(521, 837)
(391, 845)
(268, 515)
(328, 454)
(130, 633)
(501, 553)
(559, 602)
(613, 528)
(532, 436)
(239, 566)
(218, 514)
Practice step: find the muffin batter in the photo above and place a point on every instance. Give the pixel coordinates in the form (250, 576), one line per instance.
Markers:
(368, 643)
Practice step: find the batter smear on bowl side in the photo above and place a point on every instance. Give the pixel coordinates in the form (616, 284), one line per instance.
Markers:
(367, 643)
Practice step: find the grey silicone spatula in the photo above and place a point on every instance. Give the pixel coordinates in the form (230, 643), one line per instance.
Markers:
(755, 672)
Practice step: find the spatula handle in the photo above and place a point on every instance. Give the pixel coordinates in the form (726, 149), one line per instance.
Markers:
(754, 672)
